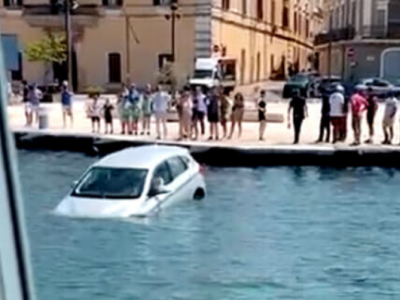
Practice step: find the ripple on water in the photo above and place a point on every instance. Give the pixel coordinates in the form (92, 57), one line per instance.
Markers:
(262, 233)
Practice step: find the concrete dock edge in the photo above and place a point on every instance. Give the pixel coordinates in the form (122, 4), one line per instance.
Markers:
(219, 154)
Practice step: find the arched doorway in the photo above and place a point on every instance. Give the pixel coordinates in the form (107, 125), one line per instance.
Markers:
(390, 63)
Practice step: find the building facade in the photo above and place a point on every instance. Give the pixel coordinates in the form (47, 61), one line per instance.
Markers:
(361, 39)
(116, 41)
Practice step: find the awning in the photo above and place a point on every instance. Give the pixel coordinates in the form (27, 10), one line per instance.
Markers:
(10, 51)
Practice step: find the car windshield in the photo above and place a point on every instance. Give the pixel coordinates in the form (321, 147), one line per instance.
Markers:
(299, 78)
(329, 81)
(203, 74)
(112, 183)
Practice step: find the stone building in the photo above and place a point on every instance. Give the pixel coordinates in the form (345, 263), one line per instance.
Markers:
(361, 39)
(129, 40)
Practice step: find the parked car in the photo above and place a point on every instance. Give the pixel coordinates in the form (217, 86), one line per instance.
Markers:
(135, 182)
(299, 82)
(326, 84)
(380, 87)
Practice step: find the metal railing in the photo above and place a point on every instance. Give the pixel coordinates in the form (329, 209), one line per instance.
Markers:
(49, 9)
(335, 35)
(391, 31)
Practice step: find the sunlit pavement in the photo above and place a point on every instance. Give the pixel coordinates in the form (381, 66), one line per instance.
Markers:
(276, 133)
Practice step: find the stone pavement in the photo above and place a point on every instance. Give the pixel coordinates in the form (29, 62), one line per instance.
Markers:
(276, 133)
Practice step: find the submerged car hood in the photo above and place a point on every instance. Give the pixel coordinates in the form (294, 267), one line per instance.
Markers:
(101, 208)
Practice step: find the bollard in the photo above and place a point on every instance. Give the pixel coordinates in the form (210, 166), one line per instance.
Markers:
(43, 119)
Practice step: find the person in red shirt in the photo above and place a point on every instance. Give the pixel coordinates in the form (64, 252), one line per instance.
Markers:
(358, 106)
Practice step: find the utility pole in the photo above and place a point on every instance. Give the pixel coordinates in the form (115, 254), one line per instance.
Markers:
(68, 6)
(173, 16)
(128, 51)
(330, 37)
(68, 38)
(129, 30)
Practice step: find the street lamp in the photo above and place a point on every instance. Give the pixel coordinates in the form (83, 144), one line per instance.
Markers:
(173, 16)
(68, 6)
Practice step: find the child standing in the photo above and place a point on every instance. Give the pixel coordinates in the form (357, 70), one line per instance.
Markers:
(108, 117)
(262, 115)
(95, 114)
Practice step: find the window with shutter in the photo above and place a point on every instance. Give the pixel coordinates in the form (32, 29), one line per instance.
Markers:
(13, 3)
(114, 68)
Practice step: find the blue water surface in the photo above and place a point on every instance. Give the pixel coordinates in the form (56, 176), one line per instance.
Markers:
(263, 233)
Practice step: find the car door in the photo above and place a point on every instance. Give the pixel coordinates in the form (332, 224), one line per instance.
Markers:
(181, 178)
(162, 171)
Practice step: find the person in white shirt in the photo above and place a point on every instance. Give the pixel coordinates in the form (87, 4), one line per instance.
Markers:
(10, 94)
(161, 100)
(391, 104)
(337, 112)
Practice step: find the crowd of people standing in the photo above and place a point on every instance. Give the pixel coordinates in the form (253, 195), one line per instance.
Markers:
(362, 103)
(195, 107)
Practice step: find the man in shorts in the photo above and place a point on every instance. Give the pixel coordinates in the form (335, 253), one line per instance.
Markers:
(66, 103)
(389, 117)
(161, 100)
(337, 112)
(34, 98)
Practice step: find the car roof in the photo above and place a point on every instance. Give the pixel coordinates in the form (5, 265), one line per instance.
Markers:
(330, 78)
(144, 157)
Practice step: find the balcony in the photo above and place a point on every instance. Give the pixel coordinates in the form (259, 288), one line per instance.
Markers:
(51, 16)
(335, 35)
(392, 31)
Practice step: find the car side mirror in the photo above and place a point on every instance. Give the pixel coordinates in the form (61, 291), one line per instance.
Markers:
(158, 191)
(74, 183)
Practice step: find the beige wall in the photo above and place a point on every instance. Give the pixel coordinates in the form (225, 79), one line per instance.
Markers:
(238, 32)
(109, 35)
(15, 25)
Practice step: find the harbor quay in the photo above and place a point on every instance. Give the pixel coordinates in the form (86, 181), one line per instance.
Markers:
(276, 149)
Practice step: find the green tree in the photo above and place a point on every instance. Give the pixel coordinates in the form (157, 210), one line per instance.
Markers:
(166, 76)
(50, 49)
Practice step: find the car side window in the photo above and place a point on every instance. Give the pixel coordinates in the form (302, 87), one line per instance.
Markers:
(163, 171)
(177, 166)
(380, 83)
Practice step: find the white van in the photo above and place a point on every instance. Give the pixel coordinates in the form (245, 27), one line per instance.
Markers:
(212, 72)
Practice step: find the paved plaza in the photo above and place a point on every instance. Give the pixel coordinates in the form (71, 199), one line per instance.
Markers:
(277, 132)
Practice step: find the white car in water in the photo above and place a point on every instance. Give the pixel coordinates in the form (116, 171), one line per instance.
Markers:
(135, 182)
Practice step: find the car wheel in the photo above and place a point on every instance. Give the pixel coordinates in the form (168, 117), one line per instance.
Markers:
(199, 194)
